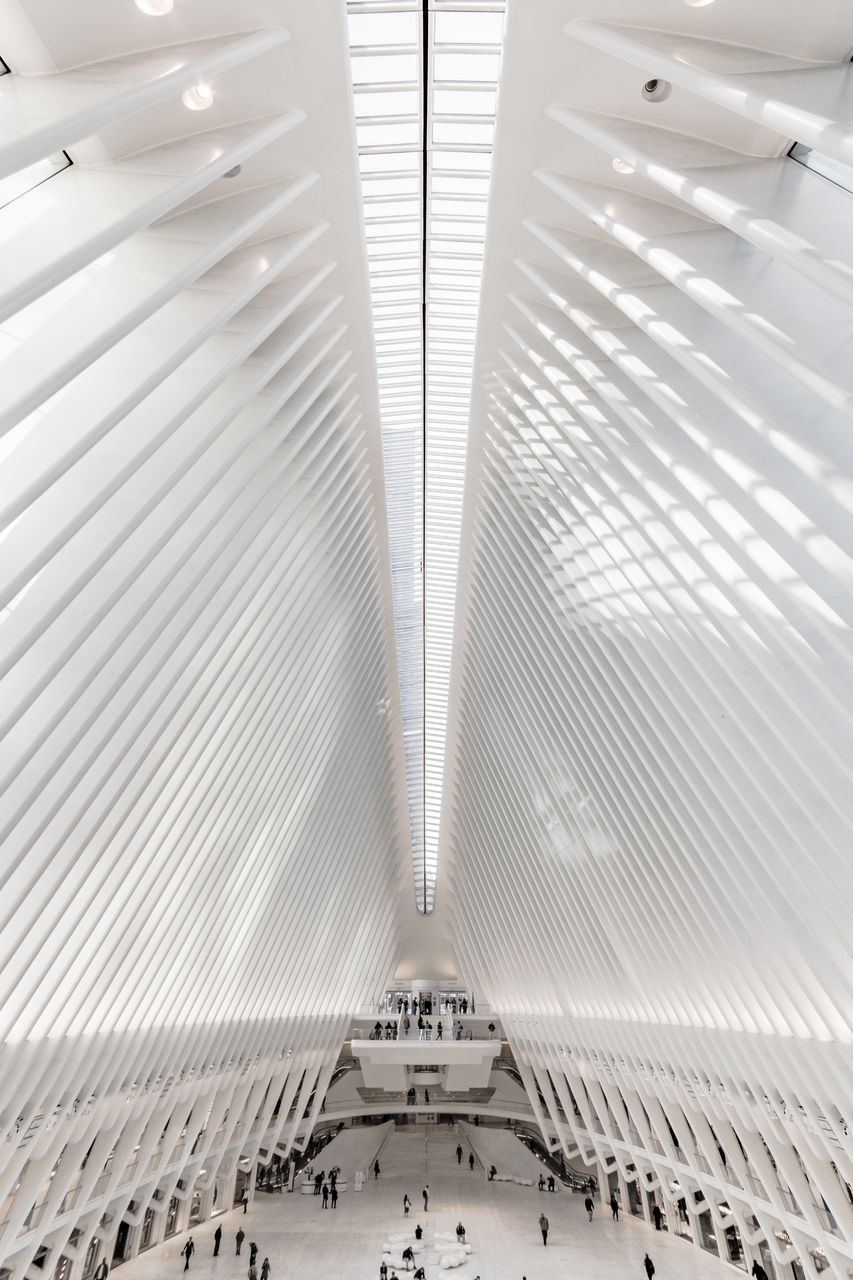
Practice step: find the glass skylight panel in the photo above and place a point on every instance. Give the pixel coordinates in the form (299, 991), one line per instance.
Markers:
(453, 160)
(464, 102)
(463, 27)
(406, 134)
(16, 184)
(391, 162)
(389, 208)
(390, 68)
(476, 67)
(459, 184)
(383, 28)
(390, 187)
(393, 102)
(827, 166)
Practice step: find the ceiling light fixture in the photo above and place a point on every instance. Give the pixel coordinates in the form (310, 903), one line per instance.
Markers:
(198, 98)
(156, 8)
(622, 166)
(655, 90)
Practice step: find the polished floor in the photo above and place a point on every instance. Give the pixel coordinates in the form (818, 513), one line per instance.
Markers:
(305, 1242)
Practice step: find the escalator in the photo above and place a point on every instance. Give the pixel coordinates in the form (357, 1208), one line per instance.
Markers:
(573, 1179)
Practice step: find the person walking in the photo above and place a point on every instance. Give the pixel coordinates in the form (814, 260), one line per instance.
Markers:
(758, 1271)
(459, 1154)
(245, 1202)
(589, 1205)
(318, 1182)
(334, 1196)
(426, 1198)
(376, 1169)
(253, 1253)
(650, 1266)
(217, 1241)
(614, 1207)
(426, 1097)
(252, 1272)
(265, 1269)
(419, 1231)
(551, 1184)
(325, 1194)
(407, 1204)
(188, 1251)
(383, 1270)
(408, 1255)
(657, 1215)
(471, 1162)
(241, 1236)
(439, 1031)
(543, 1227)
(460, 1233)
(102, 1270)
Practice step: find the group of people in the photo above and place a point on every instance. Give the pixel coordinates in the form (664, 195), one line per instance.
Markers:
(255, 1272)
(388, 1032)
(327, 1188)
(451, 1004)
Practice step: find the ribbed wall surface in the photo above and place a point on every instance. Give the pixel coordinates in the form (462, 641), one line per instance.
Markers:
(202, 782)
(649, 816)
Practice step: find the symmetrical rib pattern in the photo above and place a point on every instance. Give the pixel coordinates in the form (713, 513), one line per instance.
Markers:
(201, 762)
(649, 816)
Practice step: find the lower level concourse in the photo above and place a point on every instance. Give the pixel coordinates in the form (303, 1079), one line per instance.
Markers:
(303, 1240)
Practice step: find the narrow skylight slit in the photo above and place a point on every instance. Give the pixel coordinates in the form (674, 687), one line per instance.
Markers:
(425, 98)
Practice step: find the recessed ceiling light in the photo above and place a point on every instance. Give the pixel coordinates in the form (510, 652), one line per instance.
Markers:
(698, 4)
(655, 90)
(622, 166)
(198, 98)
(156, 8)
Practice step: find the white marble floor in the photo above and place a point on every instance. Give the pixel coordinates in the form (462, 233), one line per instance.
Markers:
(305, 1242)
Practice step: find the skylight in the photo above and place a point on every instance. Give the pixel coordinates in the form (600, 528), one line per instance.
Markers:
(425, 181)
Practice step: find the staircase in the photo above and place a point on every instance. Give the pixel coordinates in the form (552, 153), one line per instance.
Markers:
(404, 1155)
(441, 1147)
